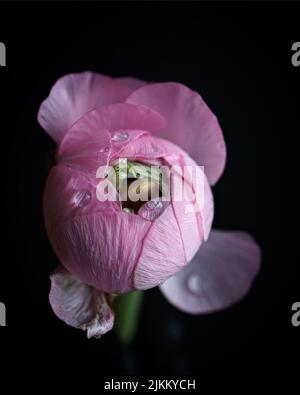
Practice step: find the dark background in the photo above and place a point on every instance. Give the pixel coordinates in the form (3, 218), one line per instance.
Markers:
(238, 57)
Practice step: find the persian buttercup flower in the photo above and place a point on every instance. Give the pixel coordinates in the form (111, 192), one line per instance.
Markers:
(108, 247)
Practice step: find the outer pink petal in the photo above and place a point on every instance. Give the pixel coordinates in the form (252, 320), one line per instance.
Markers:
(190, 123)
(101, 249)
(75, 94)
(70, 193)
(220, 274)
(97, 127)
(94, 240)
(162, 253)
(80, 305)
(203, 197)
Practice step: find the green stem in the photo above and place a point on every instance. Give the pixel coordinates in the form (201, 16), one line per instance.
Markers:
(127, 309)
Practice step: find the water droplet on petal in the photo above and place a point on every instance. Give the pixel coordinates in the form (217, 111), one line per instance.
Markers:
(128, 210)
(104, 149)
(120, 136)
(82, 198)
(195, 284)
(152, 209)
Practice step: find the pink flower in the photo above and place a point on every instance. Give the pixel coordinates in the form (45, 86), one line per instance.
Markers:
(106, 248)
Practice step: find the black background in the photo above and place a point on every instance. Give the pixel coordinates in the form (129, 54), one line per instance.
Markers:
(238, 57)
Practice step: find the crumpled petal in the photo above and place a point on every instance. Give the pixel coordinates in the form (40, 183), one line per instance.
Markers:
(190, 123)
(80, 305)
(73, 95)
(220, 274)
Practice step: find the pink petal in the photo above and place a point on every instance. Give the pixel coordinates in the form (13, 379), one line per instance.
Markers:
(69, 193)
(220, 274)
(75, 94)
(101, 249)
(203, 204)
(190, 123)
(147, 148)
(99, 126)
(93, 139)
(190, 228)
(80, 305)
(162, 252)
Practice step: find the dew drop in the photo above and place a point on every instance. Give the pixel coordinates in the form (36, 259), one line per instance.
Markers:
(81, 198)
(195, 284)
(128, 210)
(120, 136)
(104, 149)
(152, 209)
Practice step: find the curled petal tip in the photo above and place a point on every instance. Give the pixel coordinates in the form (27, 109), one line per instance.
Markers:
(79, 305)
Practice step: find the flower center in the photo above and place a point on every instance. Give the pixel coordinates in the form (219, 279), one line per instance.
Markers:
(138, 183)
